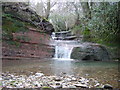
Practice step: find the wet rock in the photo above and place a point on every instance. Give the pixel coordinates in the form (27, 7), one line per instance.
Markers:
(64, 35)
(81, 85)
(65, 86)
(58, 85)
(93, 52)
(57, 79)
(36, 83)
(83, 80)
(72, 86)
(73, 79)
(96, 85)
(39, 74)
(63, 73)
(1, 78)
(68, 79)
(86, 74)
(7, 78)
(107, 86)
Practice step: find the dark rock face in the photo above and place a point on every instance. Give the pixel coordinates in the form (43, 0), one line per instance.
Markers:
(22, 12)
(108, 86)
(90, 52)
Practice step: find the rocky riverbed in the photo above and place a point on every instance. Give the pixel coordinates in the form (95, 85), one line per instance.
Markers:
(39, 80)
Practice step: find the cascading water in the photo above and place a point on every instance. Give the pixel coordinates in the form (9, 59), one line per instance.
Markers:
(63, 47)
(62, 50)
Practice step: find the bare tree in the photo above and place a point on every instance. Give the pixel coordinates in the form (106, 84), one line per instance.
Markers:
(86, 10)
(77, 13)
(47, 10)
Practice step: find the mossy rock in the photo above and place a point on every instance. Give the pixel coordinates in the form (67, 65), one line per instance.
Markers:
(22, 12)
(90, 52)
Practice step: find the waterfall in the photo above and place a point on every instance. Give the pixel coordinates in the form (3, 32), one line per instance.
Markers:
(63, 50)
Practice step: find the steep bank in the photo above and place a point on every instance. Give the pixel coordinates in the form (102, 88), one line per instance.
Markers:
(25, 34)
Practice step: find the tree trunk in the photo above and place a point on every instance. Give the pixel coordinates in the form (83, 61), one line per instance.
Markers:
(86, 10)
(77, 22)
(47, 10)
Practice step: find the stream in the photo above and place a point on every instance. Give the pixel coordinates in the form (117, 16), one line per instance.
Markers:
(105, 72)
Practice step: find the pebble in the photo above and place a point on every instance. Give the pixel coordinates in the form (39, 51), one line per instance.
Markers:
(40, 80)
(39, 74)
(74, 79)
(98, 84)
(68, 79)
(81, 85)
(86, 74)
(65, 86)
(56, 86)
(58, 83)
(72, 86)
(57, 79)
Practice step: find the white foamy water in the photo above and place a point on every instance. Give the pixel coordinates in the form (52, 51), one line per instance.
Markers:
(63, 51)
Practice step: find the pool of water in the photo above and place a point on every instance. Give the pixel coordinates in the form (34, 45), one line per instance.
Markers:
(104, 72)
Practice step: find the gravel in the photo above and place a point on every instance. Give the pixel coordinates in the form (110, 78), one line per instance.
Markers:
(40, 80)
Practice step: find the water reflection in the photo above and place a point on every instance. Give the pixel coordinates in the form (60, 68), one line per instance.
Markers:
(62, 67)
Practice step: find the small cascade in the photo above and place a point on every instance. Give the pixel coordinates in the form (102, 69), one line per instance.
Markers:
(62, 50)
(64, 35)
(63, 44)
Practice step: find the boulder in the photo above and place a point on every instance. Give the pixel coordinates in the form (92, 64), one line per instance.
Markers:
(93, 52)
(108, 86)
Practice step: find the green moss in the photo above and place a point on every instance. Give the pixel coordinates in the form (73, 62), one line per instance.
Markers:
(76, 51)
(77, 30)
(86, 35)
(14, 43)
(23, 38)
(41, 39)
(12, 82)
(34, 18)
(46, 87)
(11, 25)
(44, 18)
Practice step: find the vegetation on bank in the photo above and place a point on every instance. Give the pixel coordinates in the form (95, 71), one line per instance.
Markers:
(11, 25)
(96, 21)
(102, 26)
